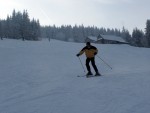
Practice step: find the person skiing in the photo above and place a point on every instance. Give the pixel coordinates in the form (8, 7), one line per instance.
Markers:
(90, 52)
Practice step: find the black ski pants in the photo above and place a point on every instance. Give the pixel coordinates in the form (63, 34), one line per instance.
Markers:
(92, 60)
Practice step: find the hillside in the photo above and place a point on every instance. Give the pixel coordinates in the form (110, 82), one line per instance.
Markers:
(41, 77)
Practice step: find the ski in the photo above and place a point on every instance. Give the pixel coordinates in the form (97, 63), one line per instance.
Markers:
(81, 75)
(88, 76)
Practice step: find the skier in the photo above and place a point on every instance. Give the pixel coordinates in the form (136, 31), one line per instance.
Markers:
(90, 52)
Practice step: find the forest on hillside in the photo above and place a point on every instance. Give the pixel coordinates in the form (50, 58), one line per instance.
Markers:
(20, 26)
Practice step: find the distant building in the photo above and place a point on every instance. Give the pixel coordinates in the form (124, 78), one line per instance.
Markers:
(92, 39)
(106, 39)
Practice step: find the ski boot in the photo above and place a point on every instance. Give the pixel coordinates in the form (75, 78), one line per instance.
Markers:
(97, 74)
(89, 74)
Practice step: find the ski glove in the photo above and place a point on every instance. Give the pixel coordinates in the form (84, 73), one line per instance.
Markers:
(95, 53)
(78, 55)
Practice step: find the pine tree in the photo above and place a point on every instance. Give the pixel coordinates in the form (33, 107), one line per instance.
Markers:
(34, 30)
(69, 33)
(147, 32)
(1, 35)
(137, 36)
(7, 28)
(126, 35)
(25, 25)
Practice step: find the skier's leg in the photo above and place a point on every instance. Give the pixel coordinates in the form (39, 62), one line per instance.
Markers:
(93, 64)
(95, 68)
(87, 65)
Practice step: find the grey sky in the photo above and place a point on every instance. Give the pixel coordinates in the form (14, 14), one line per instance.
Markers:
(100, 13)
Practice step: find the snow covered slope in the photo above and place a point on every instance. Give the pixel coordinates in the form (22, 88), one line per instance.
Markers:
(41, 77)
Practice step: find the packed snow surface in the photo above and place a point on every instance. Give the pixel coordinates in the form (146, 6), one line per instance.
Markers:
(41, 77)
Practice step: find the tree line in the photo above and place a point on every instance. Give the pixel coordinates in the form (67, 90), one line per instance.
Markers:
(76, 33)
(79, 33)
(19, 26)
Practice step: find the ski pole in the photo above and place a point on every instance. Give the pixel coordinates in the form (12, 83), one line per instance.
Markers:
(81, 64)
(104, 62)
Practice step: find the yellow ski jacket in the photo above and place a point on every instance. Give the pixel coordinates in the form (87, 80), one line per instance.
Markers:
(90, 51)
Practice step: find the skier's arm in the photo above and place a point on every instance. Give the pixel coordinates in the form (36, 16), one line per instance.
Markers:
(81, 52)
(95, 51)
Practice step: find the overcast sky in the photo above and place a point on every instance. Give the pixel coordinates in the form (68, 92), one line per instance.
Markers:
(100, 13)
